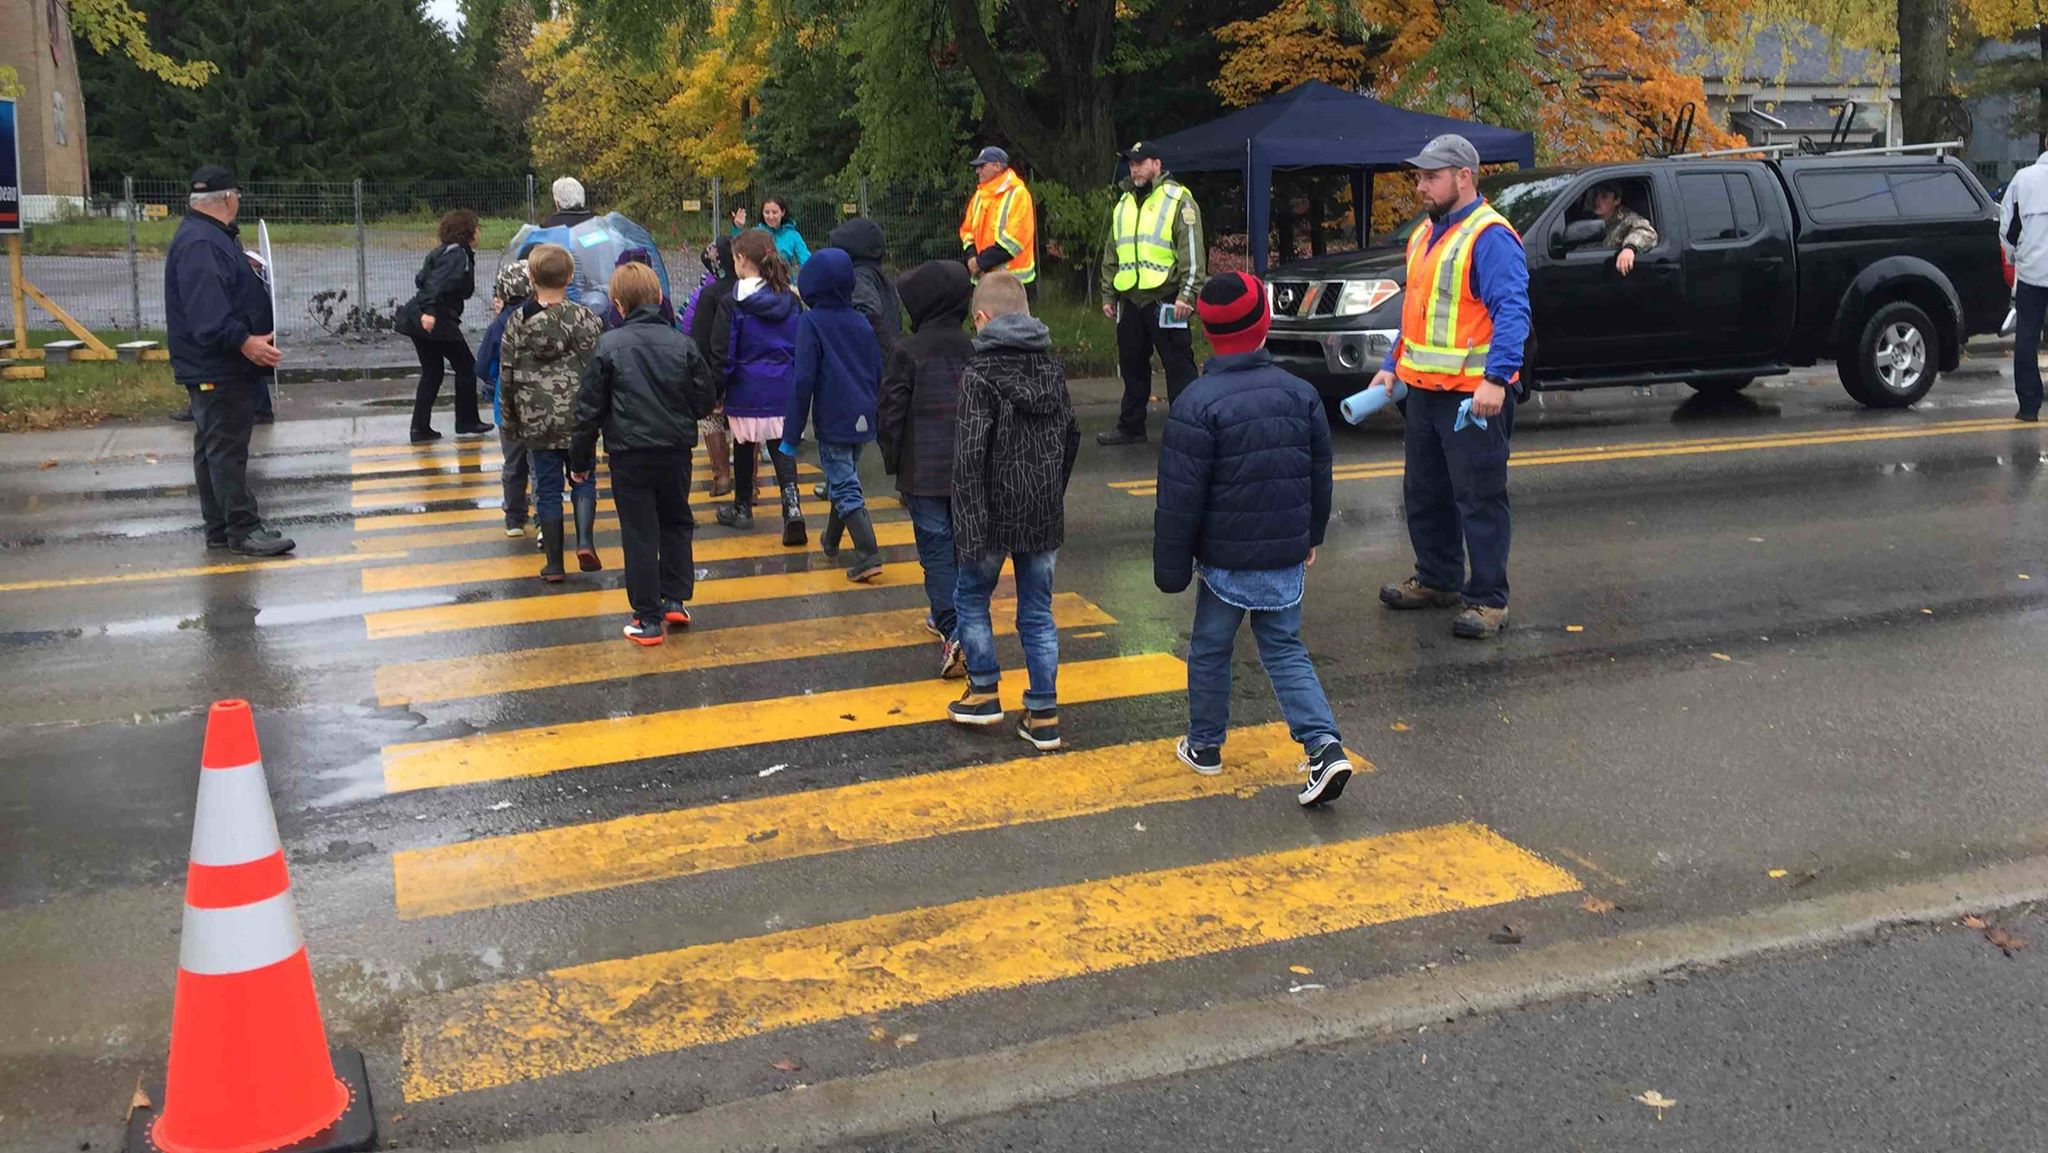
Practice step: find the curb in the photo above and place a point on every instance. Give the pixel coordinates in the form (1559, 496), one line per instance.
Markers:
(958, 1089)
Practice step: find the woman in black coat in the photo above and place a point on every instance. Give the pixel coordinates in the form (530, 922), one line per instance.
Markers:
(445, 281)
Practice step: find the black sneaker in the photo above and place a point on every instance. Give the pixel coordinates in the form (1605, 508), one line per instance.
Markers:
(1117, 436)
(646, 633)
(2023, 414)
(1328, 769)
(977, 707)
(424, 435)
(1041, 727)
(216, 542)
(477, 429)
(183, 415)
(262, 543)
(515, 529)
(675, 612)
(1207, 762)
(266, 418)
(952, 660)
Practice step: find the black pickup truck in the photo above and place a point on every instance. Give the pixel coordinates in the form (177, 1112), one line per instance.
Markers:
(1885, 264)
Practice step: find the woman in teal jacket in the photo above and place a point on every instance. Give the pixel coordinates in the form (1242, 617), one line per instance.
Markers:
(776, 222)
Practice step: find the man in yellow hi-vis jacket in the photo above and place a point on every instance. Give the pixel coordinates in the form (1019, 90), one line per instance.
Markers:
(1151, 273)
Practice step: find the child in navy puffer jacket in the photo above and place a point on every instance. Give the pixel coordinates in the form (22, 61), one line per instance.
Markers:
(837, 378)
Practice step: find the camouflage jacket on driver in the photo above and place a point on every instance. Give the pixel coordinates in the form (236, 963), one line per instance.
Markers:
(541, 368)
(1626, 229)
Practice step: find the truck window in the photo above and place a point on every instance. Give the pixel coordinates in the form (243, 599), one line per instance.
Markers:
(1939, 192)
(1749, 215)
(1850, 197)
(1719, 206)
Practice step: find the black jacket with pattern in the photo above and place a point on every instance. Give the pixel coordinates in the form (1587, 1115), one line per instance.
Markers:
(540, 370)
(1015, 445)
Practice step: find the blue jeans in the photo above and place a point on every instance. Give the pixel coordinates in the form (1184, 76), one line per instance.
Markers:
(1034, 623)
(931, 519)
(1287, 665)
(841, 463)
(550, 468)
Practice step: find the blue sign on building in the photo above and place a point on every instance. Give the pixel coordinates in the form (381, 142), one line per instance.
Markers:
(10, 171)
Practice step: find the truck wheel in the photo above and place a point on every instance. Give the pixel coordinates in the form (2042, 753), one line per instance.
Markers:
(1721, 385)
(1892, 363)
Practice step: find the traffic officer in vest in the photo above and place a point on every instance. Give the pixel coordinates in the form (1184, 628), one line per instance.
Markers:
(1001, 226)
(1151, 275)
(1464, 321)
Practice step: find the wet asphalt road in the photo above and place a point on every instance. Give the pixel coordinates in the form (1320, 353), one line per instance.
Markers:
(1774, 635)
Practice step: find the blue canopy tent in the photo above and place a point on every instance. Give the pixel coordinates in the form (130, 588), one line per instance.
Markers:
(1315, 125)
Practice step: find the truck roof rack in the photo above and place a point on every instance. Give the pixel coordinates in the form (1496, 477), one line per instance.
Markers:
(1941, 148)
(1766, 149)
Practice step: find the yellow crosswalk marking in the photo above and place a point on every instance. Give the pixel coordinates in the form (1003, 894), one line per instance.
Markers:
(471, 477)
(366, 501)
(601, 1013)
(454, 678)
(535, 752)
(562, 606)
(494, 513)
(705, 549)
(602, 855)
(469, 458)
(770, 520)
(256, 566)
(440, 449)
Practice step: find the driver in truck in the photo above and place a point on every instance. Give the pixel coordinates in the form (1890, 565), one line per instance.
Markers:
(1626, 228)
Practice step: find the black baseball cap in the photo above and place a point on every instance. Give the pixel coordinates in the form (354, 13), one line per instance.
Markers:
(1143, 150)
(213, 178)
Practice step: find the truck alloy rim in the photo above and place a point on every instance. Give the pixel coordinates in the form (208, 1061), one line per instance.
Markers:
(1901, 357)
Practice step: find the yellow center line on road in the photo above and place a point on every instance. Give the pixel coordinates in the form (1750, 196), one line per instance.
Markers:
(562, 606)
(609, 1011)
(534, 752)
(487, 674)
(602, 855)
(450, 538)
(257, 566)
(526, 564)
(1380, 470)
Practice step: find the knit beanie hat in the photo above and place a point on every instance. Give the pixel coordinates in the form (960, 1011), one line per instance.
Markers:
(1233, 311)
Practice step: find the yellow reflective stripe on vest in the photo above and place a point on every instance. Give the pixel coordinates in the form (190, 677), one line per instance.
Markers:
(1448, 359)
(1144, 238)
(1453, 273)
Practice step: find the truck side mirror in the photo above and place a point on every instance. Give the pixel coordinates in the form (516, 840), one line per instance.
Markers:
(1577, 234)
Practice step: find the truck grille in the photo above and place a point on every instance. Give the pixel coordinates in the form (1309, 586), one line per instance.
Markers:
(1305, 298)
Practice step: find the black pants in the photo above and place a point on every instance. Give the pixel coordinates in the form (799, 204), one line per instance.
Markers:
(223, 416)
(1456, 494)
(456, 353)
(2030, 301)
(651, 492)
(1138, 333)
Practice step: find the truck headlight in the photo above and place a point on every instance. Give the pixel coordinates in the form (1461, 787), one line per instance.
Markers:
(1362, 296)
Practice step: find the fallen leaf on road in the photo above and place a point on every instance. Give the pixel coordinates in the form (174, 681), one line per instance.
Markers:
(1138, 826)
(771, 770)
(1593, 904)
(1506, 936)
(906, 1039)
(845, 716)
(878, 1034)
(1657, 1101)
(1398, 727)
(1927, 612)
(1721, 656)
(2006, 942)
(1973, 921)
(1575, 628)
(139, 1101)
(1301, 970)
(50, 463)
(787, 1065)
(1304, 988)
(1774, 874)
(1756, 540)
(2025, 577)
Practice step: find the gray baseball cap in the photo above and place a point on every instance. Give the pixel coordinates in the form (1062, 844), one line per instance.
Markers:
(1447, 151)
(989, 155)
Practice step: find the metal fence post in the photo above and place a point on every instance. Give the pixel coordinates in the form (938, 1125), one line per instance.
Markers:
(717, 203)
(864, 194)
(362, 253)
(529, 198)
(134, 263)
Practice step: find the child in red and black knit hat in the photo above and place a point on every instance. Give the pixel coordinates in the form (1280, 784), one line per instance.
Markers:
(1244, 497)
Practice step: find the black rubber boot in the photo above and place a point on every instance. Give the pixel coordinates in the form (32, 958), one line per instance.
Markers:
(828, 542)
(793, 535)
(867, 558)
(746, 458)
(737, 515)
(583, 502)
(551, 570)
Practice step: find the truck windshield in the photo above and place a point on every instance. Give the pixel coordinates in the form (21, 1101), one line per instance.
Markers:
(1519, 196)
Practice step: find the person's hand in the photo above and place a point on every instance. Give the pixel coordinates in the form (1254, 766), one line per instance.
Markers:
(739, 218)
(578, 477)
(973, 268)
(1488, 398)
(1181, 308)
(426, 322)
(262, 351)
(1311, 561)
(1382, 379)
(1625, 261)
(1109, 309)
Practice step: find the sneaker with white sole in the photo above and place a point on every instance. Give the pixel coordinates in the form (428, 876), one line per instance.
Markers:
(1328, 769)
(977, 707)
(1207, 762)
(1041, 727)
(645, 633)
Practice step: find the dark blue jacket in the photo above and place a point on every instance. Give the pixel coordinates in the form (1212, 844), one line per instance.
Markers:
(213, 301)
(1244, 472)
(838, 370)
(488, 355)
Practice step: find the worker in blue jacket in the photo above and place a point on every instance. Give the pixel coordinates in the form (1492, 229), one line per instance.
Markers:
(223, 344)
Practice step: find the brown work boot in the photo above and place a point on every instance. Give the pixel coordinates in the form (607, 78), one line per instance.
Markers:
(1480, 622)
(1413, 594)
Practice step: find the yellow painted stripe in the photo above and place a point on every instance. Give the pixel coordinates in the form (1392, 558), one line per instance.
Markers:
(704, 550)
(560, 606)
(535, 752)
(493, 513)
(470, 474)
(301, 562)
(450, 538)
(1593, 454)
(598, 1014)
(602, 855)
(468, 458)
(437, 449)
(487, 674)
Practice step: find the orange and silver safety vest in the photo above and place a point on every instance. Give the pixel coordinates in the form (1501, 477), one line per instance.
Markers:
(1446, 331)
(1000, 215)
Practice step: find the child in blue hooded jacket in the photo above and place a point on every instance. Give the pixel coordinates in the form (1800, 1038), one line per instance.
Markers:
(837, 376)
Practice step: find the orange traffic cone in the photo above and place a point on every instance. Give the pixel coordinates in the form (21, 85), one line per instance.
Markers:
(250, 1070)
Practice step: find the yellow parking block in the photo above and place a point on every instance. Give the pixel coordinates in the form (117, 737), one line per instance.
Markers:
(632, 850)
(534, 752)
(486, 674)
(764, 541)
(605, 1012)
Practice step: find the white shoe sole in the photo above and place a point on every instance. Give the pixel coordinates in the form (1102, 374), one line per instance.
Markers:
(1181, 753)
(1328, 789)
(977, 721)
(1041, 746)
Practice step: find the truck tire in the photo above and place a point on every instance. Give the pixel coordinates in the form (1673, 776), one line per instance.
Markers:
(1892, 362)
(1721, 385)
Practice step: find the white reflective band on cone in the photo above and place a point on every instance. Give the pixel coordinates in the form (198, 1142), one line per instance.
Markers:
(237, 940)
(233, 824)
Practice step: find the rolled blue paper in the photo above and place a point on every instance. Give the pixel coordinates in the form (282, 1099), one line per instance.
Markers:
(1360, 405)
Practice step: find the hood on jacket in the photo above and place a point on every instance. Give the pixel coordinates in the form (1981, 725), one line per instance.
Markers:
(1037, 393)
(826, 279)
(936, 293)
(768, 304)
(551, 331)
(1015, 332)
(725, 268)
(860, 238)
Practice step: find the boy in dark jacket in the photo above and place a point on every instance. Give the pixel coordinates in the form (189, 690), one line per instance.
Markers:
(1244, 497)
(646, 388)
(513, 286)
(1013, 453)
(873, 296)
(920, 397)
(836, 377)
